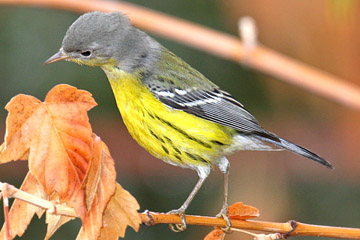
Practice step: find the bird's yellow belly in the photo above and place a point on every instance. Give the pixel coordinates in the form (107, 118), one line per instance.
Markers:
(171, 135)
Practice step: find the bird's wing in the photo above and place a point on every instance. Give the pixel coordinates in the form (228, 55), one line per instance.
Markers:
(213, 105)
(195, 94)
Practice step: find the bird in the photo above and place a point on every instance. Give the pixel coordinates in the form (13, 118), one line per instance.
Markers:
(170, 109)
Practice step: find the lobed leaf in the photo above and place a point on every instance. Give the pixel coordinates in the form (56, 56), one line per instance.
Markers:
(66, 162)
(120, 213)
(56, 136)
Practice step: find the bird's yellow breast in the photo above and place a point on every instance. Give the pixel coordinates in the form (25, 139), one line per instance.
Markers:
(171, 135)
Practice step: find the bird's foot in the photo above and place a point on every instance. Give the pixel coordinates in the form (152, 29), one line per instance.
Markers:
(224, 213)
(178, 227)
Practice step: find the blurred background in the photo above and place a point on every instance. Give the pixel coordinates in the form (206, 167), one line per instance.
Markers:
(323, 33)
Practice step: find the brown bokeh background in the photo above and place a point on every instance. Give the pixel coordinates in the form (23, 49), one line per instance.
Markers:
(323, 33)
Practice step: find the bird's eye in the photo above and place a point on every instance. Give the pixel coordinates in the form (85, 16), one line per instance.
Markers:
(85, 53)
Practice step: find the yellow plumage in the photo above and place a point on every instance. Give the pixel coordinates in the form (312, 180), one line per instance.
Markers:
(171, 135)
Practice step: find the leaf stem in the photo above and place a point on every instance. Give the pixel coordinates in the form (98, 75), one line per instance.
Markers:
(53, 208)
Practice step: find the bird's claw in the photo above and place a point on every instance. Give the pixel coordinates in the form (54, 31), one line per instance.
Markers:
(225, 215)
(178, 227)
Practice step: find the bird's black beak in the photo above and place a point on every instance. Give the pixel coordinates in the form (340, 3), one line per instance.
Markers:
(57, 57)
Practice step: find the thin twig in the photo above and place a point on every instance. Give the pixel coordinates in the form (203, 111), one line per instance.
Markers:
(290, 228)
(271, 236)
(51, 207)
(223, 45)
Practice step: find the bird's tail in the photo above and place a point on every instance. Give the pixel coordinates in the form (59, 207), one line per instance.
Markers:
(292, 147)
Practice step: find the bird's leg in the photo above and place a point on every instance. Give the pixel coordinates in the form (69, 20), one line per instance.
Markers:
(224, 167)
(203, 174)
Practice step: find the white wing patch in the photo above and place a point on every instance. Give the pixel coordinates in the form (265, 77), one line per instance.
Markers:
(165, 94)
(201, 102)
(190, 98)
(180, 91)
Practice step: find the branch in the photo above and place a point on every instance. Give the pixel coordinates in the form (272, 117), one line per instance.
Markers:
(53, 208)
(291, 228)
(223, 45)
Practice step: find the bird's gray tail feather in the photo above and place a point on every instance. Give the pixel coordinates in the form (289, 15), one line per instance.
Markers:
(292, 147)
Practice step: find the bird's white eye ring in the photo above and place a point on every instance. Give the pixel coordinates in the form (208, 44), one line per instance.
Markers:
(85, 53)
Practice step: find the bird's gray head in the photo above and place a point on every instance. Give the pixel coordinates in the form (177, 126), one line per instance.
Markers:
(97, 39)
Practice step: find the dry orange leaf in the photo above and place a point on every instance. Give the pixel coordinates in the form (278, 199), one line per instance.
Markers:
(216, 234)
(22, 212)
(67, 162)
(240, 211)
(99, 189)
(58, 136)
(120, 213)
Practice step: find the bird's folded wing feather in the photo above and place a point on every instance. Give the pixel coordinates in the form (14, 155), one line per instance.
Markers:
(216, 106)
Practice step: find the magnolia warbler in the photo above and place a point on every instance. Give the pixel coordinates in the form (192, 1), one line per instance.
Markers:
(168, 107)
